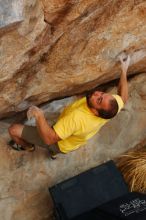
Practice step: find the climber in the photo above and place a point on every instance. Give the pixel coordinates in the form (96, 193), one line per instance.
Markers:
(76, 124)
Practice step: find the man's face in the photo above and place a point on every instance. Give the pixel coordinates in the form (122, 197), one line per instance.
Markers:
(99, 100)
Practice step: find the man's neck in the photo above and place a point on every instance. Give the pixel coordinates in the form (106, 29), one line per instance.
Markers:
(94, 111)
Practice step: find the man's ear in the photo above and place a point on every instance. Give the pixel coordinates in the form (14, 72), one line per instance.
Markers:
(95, 112)
(95, 93)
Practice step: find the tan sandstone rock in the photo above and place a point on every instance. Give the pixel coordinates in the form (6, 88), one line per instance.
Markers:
(75, 49)
(25, 177)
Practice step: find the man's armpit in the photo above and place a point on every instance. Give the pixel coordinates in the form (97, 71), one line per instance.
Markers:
(57, 138)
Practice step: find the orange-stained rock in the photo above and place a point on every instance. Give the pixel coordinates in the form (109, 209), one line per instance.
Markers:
(25, 177)
(58, 48)
(74, 50)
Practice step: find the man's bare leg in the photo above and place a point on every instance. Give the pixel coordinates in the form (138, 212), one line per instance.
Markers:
(15, 131)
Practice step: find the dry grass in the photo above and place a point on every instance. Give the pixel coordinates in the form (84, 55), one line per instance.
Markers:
(133, 167)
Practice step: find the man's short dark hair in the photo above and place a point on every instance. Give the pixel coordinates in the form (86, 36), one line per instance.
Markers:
(111, 112)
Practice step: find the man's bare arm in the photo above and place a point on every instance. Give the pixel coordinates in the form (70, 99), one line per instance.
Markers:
(123, 84)
(47, 133)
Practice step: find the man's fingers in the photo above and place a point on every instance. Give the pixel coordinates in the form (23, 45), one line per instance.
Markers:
(128, 59)
(33, 107)
(127, 62)
(34, 111)
(125, 59)
(29, 114)
(121, 59)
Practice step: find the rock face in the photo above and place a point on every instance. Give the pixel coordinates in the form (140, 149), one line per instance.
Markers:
(10, 12)
(58, 48)
(74, 49)
(25, 177)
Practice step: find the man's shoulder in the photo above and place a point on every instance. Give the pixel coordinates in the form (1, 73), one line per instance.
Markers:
(79, 101)
(75, 106)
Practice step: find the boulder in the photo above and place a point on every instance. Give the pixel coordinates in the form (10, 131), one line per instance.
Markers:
(58, 48)
(25, 177)
(66, 47)
(11, 12)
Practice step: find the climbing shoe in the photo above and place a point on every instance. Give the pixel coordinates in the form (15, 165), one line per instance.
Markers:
(18, 147)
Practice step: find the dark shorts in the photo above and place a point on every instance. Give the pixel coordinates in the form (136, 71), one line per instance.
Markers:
(31, 135)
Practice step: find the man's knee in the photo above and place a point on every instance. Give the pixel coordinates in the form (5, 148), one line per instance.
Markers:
(16, 130)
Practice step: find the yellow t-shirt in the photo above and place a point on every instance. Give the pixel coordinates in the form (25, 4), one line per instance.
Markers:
(77, 124)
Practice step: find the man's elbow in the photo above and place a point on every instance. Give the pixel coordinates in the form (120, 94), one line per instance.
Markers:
(51, 140)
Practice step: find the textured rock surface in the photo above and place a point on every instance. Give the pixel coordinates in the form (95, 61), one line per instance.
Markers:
(10, 12)
(73, 51)
(25, 177)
